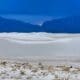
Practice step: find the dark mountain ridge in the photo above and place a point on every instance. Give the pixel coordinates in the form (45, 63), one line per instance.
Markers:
(61, 25)
(9, 25)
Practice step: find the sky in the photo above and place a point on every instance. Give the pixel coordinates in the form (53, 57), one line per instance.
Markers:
(52, 8)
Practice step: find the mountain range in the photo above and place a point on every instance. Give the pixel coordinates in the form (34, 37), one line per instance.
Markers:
(10, 25)
(62, 25)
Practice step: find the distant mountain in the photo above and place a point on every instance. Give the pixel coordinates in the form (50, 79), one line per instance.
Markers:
(9, 25)
(64, 25)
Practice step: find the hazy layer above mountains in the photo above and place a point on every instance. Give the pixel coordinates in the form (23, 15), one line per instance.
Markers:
(33, 19)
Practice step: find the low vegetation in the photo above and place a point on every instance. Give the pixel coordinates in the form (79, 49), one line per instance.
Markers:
(29, 71)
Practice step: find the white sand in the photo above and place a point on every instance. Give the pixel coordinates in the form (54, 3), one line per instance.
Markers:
(27, 71)
(39, 44)
(52, 50)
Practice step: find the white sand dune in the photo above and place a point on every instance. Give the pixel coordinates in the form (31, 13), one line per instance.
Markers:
(59, 55)
(39, 44)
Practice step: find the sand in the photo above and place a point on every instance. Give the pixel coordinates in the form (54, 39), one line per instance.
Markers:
(58, 51)
(39, 44)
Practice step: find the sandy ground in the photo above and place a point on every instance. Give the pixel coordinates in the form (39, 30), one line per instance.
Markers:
(39, 56)
(31, 70)
(39, 44)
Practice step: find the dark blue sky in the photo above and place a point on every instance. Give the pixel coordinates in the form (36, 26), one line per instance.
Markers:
(40, 7)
